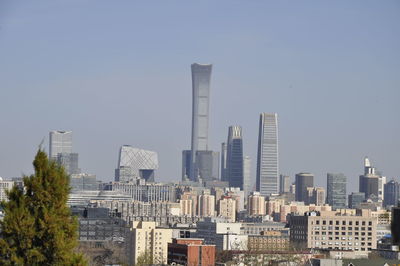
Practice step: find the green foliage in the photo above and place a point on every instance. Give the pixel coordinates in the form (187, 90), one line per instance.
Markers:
(144, 259)
(38, 228)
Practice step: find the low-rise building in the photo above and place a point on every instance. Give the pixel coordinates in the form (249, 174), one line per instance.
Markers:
(190, 252)
(269, 241)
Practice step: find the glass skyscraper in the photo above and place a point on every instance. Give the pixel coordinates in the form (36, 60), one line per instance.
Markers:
(336, 190)
(201, 76)
(60, 142)
(267, 180)
(234, 160)
(303, 181)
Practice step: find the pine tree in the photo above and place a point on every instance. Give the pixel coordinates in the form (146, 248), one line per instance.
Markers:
(38, 228)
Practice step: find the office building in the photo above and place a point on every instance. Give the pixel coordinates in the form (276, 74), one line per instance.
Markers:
(134, 163)
(247, 181)
(186, 159)
(355, 199)
(60, 142)
(392, 193)
(303, 181)
(144, 192)
(336, 190)
(316, 196)
(267, 181)
(224, 155)
(234, 160)
(256, 204)
(149, 240)
(371, 183)
(201, 77)
(284, 184)
(70, 162)
(395, 227)
(207, 166)
(191, 252)
(269, 241)
(83, 182)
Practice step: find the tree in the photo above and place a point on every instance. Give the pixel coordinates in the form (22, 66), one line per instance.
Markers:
(144, 259)
(38, 228)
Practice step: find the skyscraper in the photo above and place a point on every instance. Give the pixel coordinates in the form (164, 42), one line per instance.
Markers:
(134, 163)
(186, 155)
(60, 150)
(392, 193)
(371, 183)
(336, 190)
(223, 162)
(284, 184)
(247, 182)
(267, 158)
(303, 181)
(355, 199)
(60, 142)
(234, 160)
(201, 76)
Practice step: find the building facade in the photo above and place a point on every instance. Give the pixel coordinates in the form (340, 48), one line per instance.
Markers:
(190, 252)
(60, 142)
(303, 181)
(256, 204)
(267, 179)
(201, 77)
(234, 160)
(336, 190)
(392, 193)
(355, 199)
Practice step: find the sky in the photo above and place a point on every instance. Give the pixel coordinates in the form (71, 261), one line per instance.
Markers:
(118, 72)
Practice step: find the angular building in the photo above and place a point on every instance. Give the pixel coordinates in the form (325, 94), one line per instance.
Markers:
(336, 190)
(267, 157)
(70, 162)
(186, 157)
(284, 184)
(234, 160)
(201, 76)
(303, 181)
(134, 163)
(60, 142)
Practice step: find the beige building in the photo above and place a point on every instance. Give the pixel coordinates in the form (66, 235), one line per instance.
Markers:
(256, 204)
(335, 231)
(206, 205)
(227, 208)
(146, 239)
(269, 241)
(316, 195)
(4, 186)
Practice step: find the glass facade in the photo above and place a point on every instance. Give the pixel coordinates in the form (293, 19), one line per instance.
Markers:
(234, 160)
(336, 190)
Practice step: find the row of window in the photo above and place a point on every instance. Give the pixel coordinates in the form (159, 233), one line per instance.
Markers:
(324, 222)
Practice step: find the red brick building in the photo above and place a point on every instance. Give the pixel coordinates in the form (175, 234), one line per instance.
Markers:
(191, 252)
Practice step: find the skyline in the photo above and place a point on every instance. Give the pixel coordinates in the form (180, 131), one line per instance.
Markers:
(335, 106)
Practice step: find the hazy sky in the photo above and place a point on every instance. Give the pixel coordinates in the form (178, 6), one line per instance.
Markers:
(118, 72)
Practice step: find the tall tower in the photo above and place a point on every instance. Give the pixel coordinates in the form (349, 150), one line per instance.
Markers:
(234, 160)
(303, 181)
(267, 182)
(60, 142)
(336, 190)
(223, 162)
(201, 75)
(247, 182)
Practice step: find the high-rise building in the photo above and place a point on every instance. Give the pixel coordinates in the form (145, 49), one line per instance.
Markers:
(227, 208)
(336, 190)
(355, 199)
(149, 240)
(186, 159)
(234, 160)
(60, 142)
(70, 162)
(201, 76)
(371, 183)
(223, 162)
(316, 195)
(392, 193)
(206, 205)
(247, 176)
(207, 166)
(134, 163)
(284, 184)
(256, 204)
(303, 181)
(267, 158)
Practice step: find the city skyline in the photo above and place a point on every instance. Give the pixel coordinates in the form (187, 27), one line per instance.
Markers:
(261, 64)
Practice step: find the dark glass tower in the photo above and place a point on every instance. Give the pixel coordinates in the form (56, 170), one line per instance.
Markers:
(336, 190)
(234, 161)
(303, 181)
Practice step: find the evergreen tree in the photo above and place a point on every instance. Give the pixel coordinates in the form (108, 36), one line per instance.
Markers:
(38, 228)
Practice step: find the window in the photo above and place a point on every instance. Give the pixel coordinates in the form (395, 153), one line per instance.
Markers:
(324, 222)
(337, 222)
(343, 222)
(349, 228)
